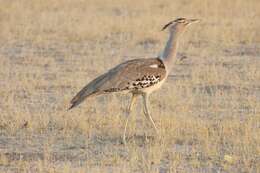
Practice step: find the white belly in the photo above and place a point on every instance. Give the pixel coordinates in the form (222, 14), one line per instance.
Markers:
(153, 87)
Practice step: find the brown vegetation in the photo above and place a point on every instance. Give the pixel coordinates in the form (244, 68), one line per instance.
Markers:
(207, 112)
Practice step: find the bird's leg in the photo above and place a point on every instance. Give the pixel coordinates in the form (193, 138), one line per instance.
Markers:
(133, 99)
(146, 111)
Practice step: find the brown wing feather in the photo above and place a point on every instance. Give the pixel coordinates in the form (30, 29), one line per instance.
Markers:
(121, 78)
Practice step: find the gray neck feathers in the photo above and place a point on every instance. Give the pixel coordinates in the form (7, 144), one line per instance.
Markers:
(170, 51)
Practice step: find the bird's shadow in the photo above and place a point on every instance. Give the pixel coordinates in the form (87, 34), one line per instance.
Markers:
(141, 140)
(137, 139)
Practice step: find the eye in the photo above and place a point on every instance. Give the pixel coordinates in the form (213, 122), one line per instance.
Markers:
(181, 20)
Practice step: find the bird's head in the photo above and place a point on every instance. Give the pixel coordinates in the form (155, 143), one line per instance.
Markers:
(179, 24)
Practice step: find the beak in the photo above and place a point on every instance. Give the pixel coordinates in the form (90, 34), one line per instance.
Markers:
(194, 21)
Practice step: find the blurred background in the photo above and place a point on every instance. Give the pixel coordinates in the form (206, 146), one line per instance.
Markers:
(208, 111)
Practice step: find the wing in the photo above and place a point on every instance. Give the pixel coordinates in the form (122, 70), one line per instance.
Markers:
(135, 74)
(130, 75)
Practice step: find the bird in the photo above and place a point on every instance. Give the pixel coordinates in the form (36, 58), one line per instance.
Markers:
(140, 77)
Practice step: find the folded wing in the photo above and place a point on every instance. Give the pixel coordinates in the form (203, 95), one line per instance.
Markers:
(130, 75)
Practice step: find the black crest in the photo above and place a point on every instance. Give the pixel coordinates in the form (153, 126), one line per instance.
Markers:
(179, 20)
(168, 24)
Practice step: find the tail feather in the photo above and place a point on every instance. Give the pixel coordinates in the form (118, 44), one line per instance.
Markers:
(90, 89)
(71, 106)
(74, 103)
(80, 97)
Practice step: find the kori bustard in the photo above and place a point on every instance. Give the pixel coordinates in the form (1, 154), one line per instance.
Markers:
(138, 76)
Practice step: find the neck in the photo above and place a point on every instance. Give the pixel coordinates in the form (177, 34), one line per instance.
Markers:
(170, 50)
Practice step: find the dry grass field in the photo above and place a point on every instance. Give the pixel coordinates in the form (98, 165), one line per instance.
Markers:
(208, 111)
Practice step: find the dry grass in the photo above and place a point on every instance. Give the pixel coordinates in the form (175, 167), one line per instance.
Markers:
(208, 115)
